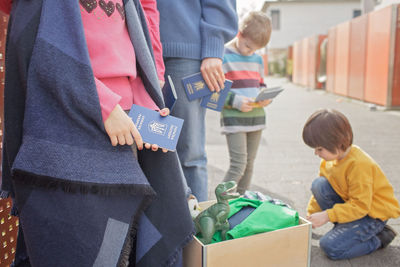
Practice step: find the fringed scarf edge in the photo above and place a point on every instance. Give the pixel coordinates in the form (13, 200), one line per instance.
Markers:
(69, 186)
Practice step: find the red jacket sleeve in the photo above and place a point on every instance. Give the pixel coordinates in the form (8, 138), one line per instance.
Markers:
(153, 22)
(5, 6)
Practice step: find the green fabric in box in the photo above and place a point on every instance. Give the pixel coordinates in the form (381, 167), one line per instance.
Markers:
(266, 217)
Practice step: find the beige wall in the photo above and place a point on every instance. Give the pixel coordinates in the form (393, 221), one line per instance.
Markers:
(300, 20)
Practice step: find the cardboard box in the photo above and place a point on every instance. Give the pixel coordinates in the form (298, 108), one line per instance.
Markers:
(285, 247)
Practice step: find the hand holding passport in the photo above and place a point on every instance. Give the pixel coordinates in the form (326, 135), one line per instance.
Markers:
(155, 129)
(196, 87)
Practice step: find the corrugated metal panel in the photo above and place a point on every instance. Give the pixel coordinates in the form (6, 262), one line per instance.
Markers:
(297, 62)
(342, 58)
(312, 61)
(330, 60)
(396, 65)
(304, 62)
(378, 56)
(358, 49)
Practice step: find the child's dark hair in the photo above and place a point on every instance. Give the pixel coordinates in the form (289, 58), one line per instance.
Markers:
(329, 129)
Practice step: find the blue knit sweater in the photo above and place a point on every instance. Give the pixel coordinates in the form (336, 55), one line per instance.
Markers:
(196, 29)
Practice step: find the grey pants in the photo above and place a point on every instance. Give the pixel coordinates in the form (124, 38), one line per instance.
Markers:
(242, 152)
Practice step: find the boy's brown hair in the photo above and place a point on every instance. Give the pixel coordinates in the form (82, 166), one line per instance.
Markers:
(257, 27)
(328, 128)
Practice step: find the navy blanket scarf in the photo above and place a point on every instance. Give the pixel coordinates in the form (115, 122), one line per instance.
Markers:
(78, 198)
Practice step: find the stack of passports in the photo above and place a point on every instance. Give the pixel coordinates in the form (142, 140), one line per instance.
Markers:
(196, 87)
(155, 129)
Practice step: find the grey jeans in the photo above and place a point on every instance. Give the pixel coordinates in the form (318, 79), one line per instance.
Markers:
(243, 148)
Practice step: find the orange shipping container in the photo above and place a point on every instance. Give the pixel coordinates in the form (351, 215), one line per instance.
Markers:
(314, 58)
(342, 59)
(358, 48)
(300, 62)
(330, 60)
(297, 62)
(382, 62)
(304, 62)
(396, 64)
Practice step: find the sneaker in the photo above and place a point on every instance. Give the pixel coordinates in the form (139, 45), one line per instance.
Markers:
(386, 236)
(194, 207)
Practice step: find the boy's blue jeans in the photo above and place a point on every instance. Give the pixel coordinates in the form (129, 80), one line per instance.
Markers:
(191, 144)
(345, 240)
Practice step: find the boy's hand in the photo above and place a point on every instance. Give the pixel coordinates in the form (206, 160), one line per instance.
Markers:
(164, 112)
(211, 69)
(120, 128)
(318, 219)
(247, 104)
(264, 103)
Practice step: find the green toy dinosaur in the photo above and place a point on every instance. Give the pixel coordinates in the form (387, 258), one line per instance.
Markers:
(215, 217)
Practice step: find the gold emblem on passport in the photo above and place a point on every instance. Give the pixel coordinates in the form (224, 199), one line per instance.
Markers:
(199, 85)
(157, 127)
(214, 97)
(213, 102)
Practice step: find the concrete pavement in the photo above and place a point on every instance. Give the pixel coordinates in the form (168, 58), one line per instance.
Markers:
(285, 166)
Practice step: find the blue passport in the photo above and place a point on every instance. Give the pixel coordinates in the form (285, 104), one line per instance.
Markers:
(169, 93)
(155, 129)
(195, 86)
(216, 101)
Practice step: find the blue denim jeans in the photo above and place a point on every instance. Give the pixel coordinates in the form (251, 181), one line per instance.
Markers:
(191, 144)
(345, 240)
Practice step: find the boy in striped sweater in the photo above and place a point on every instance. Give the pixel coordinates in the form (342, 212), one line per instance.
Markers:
(242, 119)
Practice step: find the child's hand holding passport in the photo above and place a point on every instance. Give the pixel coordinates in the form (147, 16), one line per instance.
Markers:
(155, 129)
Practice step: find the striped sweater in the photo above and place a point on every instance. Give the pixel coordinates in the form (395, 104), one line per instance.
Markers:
(246, 72)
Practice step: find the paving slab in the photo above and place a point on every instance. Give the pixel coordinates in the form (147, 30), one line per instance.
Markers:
(285, 166)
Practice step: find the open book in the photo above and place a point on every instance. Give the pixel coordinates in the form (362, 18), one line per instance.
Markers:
(268, 93)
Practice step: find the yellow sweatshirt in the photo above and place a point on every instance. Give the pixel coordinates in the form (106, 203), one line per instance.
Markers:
(360, 182)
